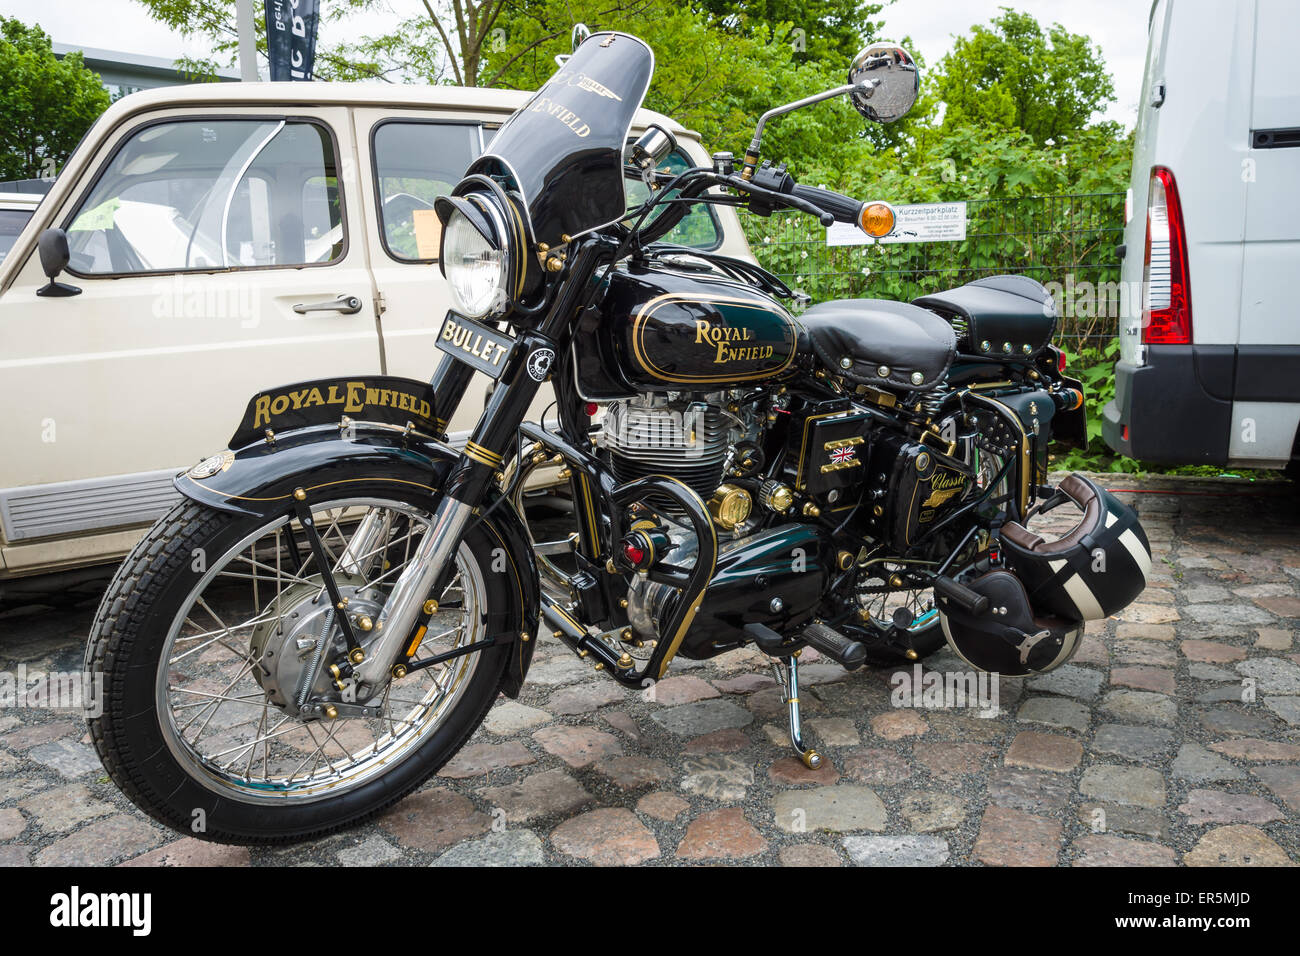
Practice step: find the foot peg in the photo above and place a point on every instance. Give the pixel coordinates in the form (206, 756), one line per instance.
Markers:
(846, 652)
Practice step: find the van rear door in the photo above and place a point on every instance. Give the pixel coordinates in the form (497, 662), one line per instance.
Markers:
(1269, 314)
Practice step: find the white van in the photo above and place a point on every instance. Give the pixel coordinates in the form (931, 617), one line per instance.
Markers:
(1209, 369)
(223, 239)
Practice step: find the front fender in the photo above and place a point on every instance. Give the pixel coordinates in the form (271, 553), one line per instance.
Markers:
(259, 480)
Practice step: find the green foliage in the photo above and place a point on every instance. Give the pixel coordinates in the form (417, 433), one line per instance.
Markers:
(409, 52)
(46, 104)
(1095, 368)
(1012, 75)
(827, 30)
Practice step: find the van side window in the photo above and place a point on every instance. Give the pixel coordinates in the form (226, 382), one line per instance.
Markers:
(415, 163)
(212, 194)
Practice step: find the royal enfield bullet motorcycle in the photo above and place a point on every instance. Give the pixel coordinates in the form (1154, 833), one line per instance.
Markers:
(341, 596)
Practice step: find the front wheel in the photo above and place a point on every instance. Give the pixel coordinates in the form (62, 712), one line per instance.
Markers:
(212, 642)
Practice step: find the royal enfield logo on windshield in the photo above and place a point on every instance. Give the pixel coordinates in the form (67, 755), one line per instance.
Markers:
(584, 82)
(730, 344)
(539, 363)
(474, 344)
(544, 104)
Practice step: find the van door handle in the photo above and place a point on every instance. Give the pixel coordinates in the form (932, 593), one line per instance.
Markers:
(346, 304)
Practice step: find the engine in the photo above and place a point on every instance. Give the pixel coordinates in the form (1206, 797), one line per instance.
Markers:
(782, 473)
(678, 434)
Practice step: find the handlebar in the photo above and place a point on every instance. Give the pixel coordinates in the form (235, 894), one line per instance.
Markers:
(843, 208)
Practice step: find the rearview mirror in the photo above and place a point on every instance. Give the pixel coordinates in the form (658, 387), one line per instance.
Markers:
(53, 249)
(887, 81)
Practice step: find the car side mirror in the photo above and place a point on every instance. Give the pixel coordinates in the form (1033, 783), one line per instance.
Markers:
(55, 255)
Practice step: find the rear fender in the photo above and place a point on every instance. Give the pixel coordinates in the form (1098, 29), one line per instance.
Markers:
(259, 480)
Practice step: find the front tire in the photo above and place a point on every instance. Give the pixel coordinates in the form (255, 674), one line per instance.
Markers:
(190, 727)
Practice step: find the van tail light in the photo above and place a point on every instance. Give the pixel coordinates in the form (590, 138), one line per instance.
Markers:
(1167, 297)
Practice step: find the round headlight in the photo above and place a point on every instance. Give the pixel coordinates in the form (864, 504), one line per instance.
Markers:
(477, 268)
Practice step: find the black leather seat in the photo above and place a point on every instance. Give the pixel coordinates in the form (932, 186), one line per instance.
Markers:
(1006, 315)
(880, 342)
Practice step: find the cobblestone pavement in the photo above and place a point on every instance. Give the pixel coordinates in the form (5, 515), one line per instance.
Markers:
(1173, 738)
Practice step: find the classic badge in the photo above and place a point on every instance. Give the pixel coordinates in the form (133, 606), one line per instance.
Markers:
(539, 363)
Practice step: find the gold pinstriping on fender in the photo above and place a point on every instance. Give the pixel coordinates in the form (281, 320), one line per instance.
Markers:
(327, 484)
(519, 590)
(647, 310)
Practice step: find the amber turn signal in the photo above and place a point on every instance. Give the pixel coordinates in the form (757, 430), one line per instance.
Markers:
(876, 219)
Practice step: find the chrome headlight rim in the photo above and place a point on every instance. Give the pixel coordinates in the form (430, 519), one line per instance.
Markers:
(488, 210)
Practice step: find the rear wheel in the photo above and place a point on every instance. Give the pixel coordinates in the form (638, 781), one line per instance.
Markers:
(212, 642)
(923, 636)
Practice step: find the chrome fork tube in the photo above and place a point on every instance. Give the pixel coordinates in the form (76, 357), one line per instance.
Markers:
(403, 606)
(360, 551)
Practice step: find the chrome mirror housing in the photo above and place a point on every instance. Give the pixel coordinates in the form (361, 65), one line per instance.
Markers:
(579, 34)
(886, 82)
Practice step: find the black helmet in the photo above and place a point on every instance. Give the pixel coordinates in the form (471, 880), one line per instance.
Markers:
(1095, 570)
(1009, 637)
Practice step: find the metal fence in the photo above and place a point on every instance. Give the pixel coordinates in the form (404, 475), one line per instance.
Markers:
(1068, 243)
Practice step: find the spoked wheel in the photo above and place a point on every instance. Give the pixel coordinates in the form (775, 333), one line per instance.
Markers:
(882, 610)
(881, 607)
(221, 717)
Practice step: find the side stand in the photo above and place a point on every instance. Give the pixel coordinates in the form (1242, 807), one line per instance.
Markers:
(786, 670)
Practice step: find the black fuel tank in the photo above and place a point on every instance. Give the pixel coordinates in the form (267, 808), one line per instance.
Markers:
(667, 330)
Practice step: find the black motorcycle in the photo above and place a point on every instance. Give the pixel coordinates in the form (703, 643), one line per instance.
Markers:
(338, 600)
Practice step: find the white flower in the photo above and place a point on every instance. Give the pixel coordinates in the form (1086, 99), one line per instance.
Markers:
(1049, 142)
(803, 255)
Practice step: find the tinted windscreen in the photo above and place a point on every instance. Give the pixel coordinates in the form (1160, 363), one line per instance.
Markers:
(564, 148)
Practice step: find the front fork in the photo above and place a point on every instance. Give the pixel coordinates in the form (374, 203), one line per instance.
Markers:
(529, 363)
(409, 605)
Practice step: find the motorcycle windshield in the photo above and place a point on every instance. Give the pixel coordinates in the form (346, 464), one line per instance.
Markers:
(563, 150)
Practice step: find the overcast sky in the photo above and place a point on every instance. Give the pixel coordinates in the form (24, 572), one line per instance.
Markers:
(1118, 26)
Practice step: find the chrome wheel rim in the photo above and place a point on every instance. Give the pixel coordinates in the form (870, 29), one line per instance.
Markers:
(215, 715)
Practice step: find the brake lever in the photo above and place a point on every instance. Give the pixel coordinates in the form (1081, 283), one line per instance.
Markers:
(783, 199)
(825, 218)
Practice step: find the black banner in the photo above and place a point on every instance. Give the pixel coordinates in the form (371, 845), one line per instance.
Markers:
(291, 37)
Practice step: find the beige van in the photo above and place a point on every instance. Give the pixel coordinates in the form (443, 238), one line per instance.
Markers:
(223, 238)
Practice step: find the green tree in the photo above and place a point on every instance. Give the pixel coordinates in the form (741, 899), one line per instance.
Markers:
(821, 29)
(441, 41)
(1013, 75)
(46, 104)
(410, 51)
(716, 81)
